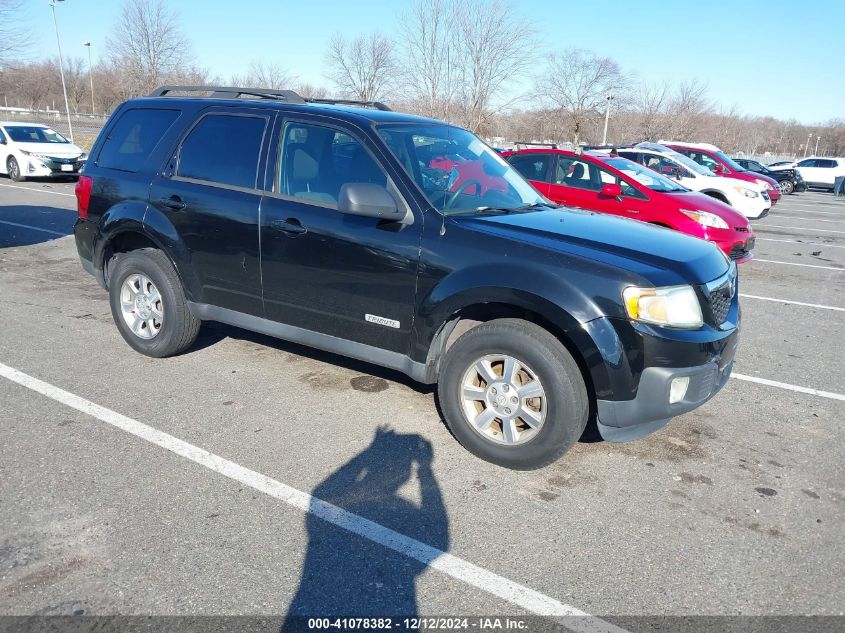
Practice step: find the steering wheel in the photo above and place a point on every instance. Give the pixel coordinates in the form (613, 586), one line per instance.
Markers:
(466, 185)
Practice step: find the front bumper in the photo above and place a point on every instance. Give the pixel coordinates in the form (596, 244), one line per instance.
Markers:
(634, 365)
(650, 410)
(49, 167)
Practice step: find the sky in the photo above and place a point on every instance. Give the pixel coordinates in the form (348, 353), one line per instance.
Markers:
(783, 58)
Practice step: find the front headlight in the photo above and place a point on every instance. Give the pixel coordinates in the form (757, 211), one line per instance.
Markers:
(745, 191)
(705, 218)
(672, 306)
(82, 156)
(34, 154)
(764, 184)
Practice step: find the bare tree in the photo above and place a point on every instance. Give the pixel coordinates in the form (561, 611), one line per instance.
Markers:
(428, 73)
(147, 43)
(688, 109)
(494, 47)
(577, 83)
(650, 104)
(265, 74)
(14, 38)
(362, 68)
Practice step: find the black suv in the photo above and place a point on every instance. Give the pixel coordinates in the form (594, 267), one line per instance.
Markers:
(409, 243)
(789, 180)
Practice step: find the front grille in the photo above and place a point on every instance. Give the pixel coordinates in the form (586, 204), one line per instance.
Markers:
(740, 229)
(720, 302)
(742, 249)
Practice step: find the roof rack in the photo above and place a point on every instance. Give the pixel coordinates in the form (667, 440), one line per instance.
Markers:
(376, 105)
(588, 148)
(551, 145)
(236, 92)
(232, 92)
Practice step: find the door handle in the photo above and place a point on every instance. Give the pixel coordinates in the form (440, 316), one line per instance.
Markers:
(174, 202)
(291, 226)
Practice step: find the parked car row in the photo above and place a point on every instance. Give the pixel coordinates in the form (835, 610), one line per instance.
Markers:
(32, 150)
(621, 185)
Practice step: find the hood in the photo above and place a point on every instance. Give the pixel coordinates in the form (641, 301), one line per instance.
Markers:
(694, 201)
(50, 149)
(662, 256)
(752, 177)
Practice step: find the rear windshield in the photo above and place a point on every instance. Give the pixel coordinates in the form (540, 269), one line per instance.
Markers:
(34, 134)
(645, 176)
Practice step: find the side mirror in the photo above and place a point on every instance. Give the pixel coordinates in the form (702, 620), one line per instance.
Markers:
(611, 190)
(719, 169)
(368, 200)
(2, 140)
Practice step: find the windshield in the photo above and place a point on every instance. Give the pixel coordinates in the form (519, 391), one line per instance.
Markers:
(33, 134)
(645, 176)
(730, 162)
(457, 172)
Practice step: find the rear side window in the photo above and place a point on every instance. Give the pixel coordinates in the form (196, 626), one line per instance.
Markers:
(532, 166)
(133, 137)
(223, 149)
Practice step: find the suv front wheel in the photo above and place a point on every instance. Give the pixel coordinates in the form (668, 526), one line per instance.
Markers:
(512, 394)
(148, 304)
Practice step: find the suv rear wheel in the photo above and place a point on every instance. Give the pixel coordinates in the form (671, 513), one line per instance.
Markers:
(148, 304)
(512, 394)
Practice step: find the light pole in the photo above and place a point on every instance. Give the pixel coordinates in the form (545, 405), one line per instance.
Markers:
(818, 137)
(606, 118)
(62, 67)
(807, 146)
(90, 74)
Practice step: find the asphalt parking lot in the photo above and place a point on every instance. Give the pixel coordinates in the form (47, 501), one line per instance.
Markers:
(734, 509)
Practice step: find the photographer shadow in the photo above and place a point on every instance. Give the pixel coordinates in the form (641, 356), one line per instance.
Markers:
(346, 575)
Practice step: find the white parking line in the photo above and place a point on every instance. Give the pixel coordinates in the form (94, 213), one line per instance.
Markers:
(55, 193)
(798, 228)
(774, 261)
(797, 303)
(458, 568)
(34, 228)
(810, 210)
(786, 385)
(808, 243)
(795, 217)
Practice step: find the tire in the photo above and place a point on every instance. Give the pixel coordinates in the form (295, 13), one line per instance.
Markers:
(786, 187)
(170, 327)
(563, 407)
(14, 169)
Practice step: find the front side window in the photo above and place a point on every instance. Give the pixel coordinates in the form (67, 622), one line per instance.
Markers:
(810, 162)
(580, 174)
(702, 159)
(316, 161)
(457, 172)
(223, 149)
(34, 134)
(532, 166)
(133, 137)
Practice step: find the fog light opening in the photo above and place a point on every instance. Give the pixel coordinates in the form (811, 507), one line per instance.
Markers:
(678, 389)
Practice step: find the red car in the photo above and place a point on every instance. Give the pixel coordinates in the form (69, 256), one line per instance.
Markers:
(611, 184)
(718, 162)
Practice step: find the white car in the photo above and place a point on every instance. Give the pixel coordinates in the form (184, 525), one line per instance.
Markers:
(32, 150)
(820, 172)
(750, 200)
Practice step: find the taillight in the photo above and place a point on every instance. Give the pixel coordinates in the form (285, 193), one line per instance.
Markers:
(83, 196)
